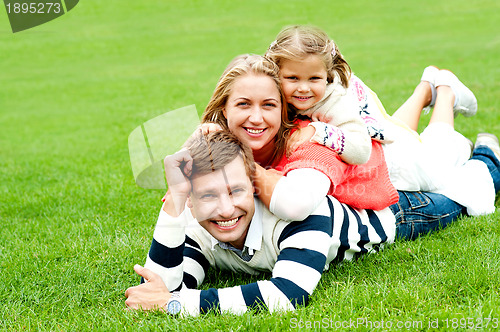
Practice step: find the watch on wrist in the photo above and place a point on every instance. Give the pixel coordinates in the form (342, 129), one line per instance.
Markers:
(174, 305)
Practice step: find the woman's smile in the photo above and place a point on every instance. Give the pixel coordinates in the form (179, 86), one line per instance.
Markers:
(254, 131)
(254, 114)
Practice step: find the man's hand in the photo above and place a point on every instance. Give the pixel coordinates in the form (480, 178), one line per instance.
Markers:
(203, 129)
(177, 169)
(152, 295)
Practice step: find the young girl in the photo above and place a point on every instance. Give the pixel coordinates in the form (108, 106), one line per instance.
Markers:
(314, 78)
(432, 162)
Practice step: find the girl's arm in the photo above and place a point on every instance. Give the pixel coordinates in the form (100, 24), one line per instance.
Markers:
(342, 128)
(349, 139)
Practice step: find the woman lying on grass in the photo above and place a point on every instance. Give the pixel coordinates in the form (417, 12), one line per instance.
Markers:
(306, 175)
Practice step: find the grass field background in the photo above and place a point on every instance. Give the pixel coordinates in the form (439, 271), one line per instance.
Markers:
(73, 222)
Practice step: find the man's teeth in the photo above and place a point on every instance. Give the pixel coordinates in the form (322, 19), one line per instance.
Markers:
(255, 131)
(227, 223)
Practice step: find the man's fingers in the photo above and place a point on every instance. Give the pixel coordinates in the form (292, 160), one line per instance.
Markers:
(143, 272)
(131, 304)
(188, 167)
(151, 295)
(127, 293)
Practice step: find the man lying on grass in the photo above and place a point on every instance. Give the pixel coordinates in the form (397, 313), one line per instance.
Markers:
(226, 227)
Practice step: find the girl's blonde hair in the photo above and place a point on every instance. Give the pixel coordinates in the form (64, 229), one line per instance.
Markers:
(240, 66)
(298, 41)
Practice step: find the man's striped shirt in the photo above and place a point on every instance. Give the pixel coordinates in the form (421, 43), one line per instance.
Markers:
(296, 252)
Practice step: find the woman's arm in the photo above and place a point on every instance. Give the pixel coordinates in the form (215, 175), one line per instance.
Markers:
(294, 196)
(299, 193)
(264, 182)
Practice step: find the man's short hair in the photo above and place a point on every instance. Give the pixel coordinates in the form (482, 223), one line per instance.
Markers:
(213, 151)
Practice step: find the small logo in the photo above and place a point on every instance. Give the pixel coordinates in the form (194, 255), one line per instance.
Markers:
(152, 141)
(26, 14)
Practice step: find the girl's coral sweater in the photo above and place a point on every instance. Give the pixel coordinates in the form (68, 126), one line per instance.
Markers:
(364, 186)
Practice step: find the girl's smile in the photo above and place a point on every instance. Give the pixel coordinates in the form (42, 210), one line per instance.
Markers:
(303, 81)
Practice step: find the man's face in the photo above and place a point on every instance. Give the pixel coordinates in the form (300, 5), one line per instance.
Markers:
(223, 203)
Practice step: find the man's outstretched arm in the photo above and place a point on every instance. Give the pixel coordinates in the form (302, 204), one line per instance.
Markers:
(303, 249)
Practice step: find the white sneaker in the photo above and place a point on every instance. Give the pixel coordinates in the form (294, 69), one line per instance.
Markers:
(429, 75)
(490, 141)
(465, 101)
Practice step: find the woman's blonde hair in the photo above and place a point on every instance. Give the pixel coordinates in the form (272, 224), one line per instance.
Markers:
(298, 41)
(241, 66)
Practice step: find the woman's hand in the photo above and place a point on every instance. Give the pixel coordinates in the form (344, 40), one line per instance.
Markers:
(264, 181)
(299, 137)
(209, 127)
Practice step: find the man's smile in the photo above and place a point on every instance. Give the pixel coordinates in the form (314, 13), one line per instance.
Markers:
(227, 223)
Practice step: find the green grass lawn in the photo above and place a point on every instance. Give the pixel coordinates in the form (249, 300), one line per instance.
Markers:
(74, 222)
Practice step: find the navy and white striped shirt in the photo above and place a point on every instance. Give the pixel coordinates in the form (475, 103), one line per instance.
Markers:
(295, 252)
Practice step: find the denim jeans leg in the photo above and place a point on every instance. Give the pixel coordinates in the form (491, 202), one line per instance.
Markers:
(487, 156)
(419, 213)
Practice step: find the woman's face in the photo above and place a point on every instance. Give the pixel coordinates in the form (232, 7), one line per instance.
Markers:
(253, 112)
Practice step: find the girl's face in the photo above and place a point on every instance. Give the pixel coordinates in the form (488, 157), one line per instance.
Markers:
(253, 112)
(303, 81)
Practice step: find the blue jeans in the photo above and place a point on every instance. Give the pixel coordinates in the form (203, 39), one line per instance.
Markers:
(418, 213)
(487, 156)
